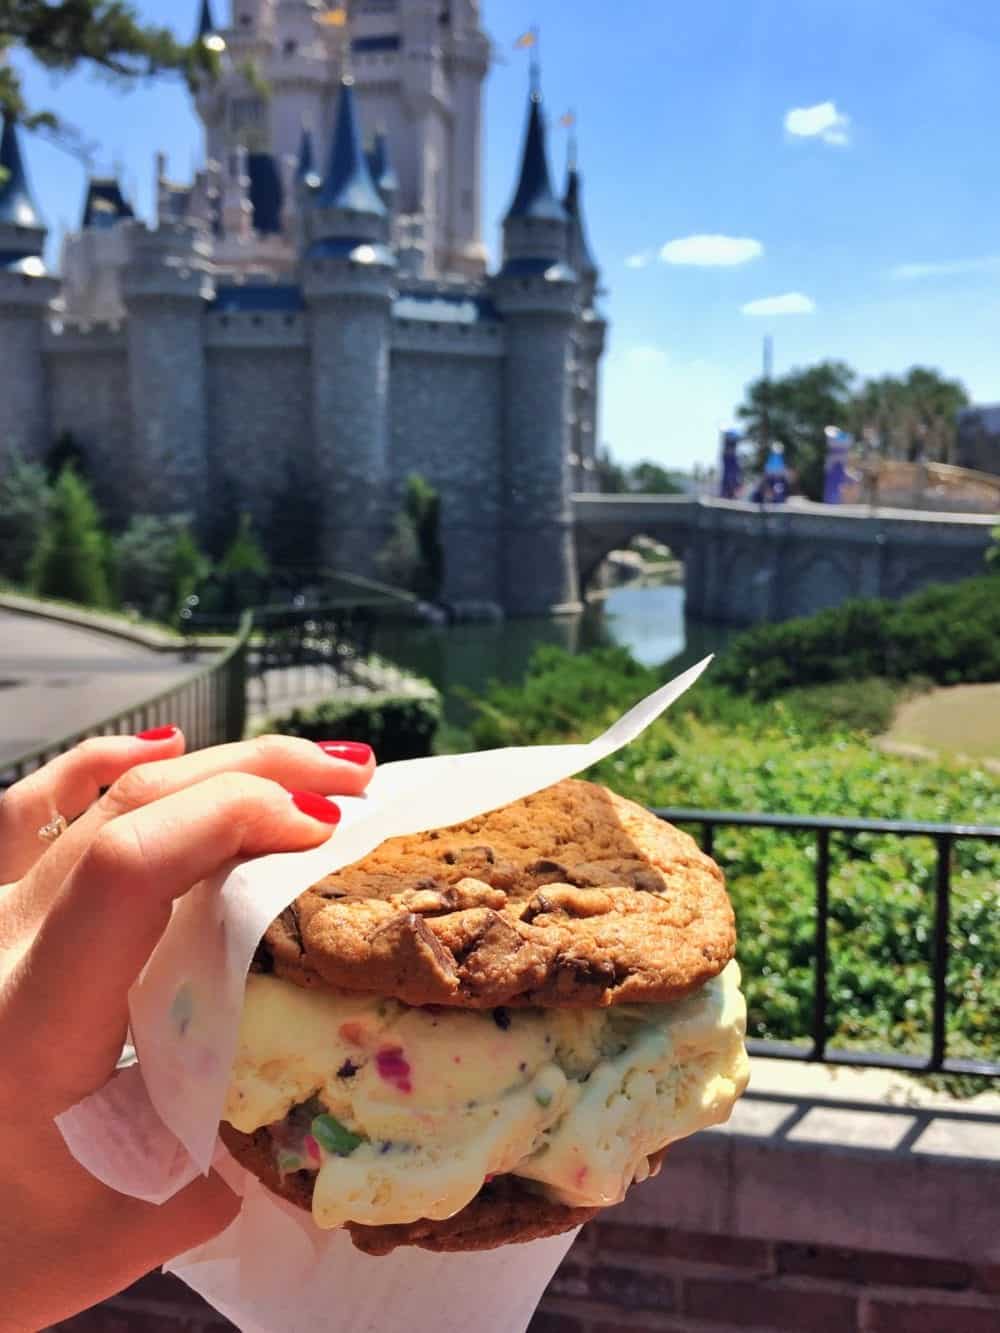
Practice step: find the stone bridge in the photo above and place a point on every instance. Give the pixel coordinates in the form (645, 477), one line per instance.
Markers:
(745, 563)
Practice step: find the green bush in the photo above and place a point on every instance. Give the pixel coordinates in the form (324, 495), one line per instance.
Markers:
(947, 633)
(397, 726)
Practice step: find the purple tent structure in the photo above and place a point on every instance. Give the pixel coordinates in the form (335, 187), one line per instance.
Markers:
(775, 485)
(730, 467)
(836, 475)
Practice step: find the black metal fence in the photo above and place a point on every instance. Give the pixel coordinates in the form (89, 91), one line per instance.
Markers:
(209, 707)
(944, 837)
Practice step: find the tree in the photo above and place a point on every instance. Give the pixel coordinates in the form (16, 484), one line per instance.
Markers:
(398, 559)
(69, 561)
(423, 504)
(912, 416)
(795, 411)
(647, 478)
(158, 564)
(611, 476)
(189, 567)
(244, 567)
(104, 34)
(24, 498)
(412, 557)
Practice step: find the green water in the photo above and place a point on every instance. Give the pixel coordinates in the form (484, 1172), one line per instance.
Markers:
(648, 620)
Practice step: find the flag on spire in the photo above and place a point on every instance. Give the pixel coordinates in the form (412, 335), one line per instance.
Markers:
(567, 120)
(527, 39)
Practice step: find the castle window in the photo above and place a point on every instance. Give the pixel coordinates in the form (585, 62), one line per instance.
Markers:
(246, 20)
(291, 46)
(246, 114)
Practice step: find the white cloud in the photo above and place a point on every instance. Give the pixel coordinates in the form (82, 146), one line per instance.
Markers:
(822, 121)
(711, 251)
(789, 303)
(947, 268)
(639, 260)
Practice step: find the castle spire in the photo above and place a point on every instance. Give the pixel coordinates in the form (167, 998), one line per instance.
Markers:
(206, 24)
(17, 205)
(305, 169)
(383, 172)
(580, 256)
(348, 184)
(534, 197)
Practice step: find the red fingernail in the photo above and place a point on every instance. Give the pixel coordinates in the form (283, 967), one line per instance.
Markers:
(316, 807)
(355, 752)
(157, 733)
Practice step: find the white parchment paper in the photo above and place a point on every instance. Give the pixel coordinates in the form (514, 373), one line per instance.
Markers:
(154, 1127)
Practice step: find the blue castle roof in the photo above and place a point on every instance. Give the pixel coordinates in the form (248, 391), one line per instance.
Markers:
(17, 205)
(105, 204)
(534, 197)
(348, 184)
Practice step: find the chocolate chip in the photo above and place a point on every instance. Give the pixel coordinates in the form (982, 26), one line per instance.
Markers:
(502, 1019)
(348, 1069)
(547, 867)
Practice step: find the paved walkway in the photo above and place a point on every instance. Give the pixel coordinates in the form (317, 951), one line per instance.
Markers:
(56, 679)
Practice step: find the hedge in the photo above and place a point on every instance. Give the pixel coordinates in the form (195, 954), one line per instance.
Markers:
(397, 726)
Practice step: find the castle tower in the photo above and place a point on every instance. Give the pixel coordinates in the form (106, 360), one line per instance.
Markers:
(25, 293)
(419, 68)
(300, 74)
(165, 285)
(383, 172)
(588, 342)
(536, 292)
(347, 272)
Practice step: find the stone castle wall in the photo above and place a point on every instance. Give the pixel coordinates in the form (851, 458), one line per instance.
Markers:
(446, 419)
(88, 393)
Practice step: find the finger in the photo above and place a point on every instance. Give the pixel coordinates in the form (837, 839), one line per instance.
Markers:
(72, 981)
(68, 786)
(342, 768)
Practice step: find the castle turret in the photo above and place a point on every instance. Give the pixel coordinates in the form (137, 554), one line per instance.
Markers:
(347, 272)
(298, 74)
(237, 208)
(383, 171)
(536, 292)
(166, 285)
(25, 293)
(206, 24)
(588, 342)
(580, 256)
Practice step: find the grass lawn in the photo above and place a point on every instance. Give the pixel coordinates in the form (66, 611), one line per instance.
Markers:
(959, 719)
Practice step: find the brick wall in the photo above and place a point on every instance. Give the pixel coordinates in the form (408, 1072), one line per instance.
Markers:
(645, 1279)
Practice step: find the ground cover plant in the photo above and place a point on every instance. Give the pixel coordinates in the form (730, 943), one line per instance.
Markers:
(808, 752)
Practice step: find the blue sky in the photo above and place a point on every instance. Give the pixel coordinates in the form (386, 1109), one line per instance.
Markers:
(839, 154)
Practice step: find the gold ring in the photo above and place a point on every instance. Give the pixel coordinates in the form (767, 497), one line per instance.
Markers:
(55, 828)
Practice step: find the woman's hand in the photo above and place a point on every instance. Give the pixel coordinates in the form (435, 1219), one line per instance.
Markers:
(79, 917)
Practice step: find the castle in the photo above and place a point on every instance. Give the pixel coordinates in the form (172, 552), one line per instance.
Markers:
(311, 319)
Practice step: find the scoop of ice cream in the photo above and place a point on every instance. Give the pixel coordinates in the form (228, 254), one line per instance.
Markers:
(404, 1112)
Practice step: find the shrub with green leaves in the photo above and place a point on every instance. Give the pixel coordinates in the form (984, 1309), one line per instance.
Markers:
(947, 633)
(397, 726)
(805, 752)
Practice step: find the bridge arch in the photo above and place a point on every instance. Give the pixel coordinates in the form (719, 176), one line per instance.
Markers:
(606, 523)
